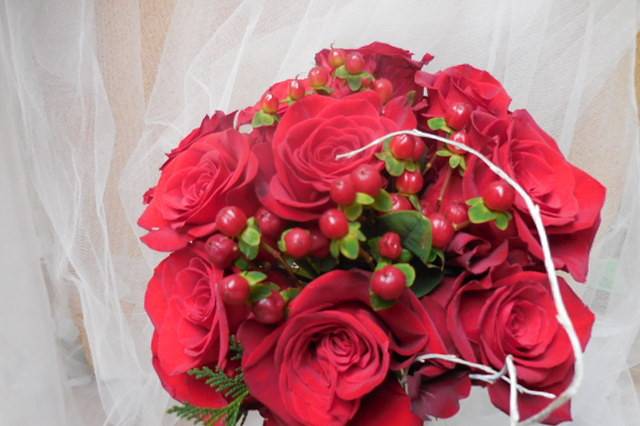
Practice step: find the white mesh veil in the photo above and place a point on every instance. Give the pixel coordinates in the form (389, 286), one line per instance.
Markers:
(81, 144)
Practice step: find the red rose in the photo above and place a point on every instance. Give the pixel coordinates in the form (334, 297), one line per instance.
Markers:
(463, 83)
(570, 200)
(333, 351)
(214, 171)
(297, 170)
(192, 325)
(383, 61)
(512, 312)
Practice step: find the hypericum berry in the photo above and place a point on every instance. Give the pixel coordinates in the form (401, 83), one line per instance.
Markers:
(441, 231)
(269, 103)
(298, 242)
(384, 89)
(456, 213)
(296, 89)
(222, 250)
(354, 63)
(231, 221)
(402, 147)
(270, 225)
(418, 150)
(410, 182)
(336, 58)
(390, 245)
(458, 114)
(367, 179)
(318, 77)
(235, 289)
(459, 136)
(389, 282)
(334, 224)
(319, 244)
(343, 191)
(400, 203)
(270, 310)
(499, 196)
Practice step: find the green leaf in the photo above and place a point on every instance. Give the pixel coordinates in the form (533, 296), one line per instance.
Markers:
(427, 279)
(364, 199)
(410, 166)
(374, 248)
(341, 72)
(354, 82)
(479, 213)
(378, 303)
(408, 271)
(254, 277)
(502, 220)
(334, 248)
(414, 229)
(323, 90)
(383, 201)
(262, 118)
(300, 267)
(444, 153)
(250, 251)
(251, 236)
(415, 202)
(241, 263)
(282, 246)
(406, 256)
(353, 211)
(439, 123)
(289, 293)
(394, 166)
(259, 292)
(320, 266)
(454, 161)
(350, 247)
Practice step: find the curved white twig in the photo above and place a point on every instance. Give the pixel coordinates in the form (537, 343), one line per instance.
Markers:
(562, 315)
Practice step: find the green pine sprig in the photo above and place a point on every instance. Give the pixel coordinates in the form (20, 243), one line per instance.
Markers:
(231, 387)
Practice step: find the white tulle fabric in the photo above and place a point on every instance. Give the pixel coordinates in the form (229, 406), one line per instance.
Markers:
(80, 145)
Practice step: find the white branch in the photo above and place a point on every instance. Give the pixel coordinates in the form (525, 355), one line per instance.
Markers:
(562, 315)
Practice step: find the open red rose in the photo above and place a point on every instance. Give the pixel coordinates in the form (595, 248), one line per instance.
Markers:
(383, 61)
(192, 325)
(463, 84)
(333, 351)
(297, 170)
(512, 312)
(570, 200)
(214, 171)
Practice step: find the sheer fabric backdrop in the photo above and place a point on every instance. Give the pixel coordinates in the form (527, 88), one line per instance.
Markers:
(81, 143)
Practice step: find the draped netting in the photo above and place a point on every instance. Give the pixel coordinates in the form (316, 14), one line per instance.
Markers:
(81, 144)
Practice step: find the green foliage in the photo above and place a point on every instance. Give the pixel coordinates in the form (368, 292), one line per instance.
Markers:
(364, 199)
(249, 241)
(233, 388)
(408, 271)
(414, 230)
(480, 213)
(353, 211)
(254, 277)
(262, 118)
(262, 291)
(378, 303)
(382, 202)
(354, 81)
(439, 123)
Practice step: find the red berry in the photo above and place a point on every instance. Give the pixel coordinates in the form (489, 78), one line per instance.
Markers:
(456, 213)
(270, 310)
(296, 89)
(390, 245)
(499, 196)
(319, 244)
(343, 191)
(222, 250)
(354, 63)
(270, 225)
(400, 203)
(441, 231)
(384, 89)
(389, 283)
(318, 77)
(410, 182)
(334, 224)
(458, 114)
(402, 147)
(336, 58)
(235, 289)
(461, 137)
(367, 179)
(418, 150)
(298, 242)
(231, 221)
(269, 103)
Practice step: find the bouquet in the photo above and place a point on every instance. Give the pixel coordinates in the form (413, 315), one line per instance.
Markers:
(364, 245)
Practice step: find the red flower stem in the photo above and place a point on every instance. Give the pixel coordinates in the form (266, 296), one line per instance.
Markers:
(445, 186)
(367, 257)
(277, 256)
